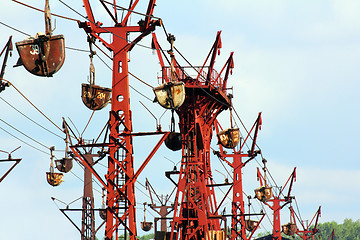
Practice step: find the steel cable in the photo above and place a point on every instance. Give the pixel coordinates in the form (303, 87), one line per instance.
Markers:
(24, 141)
(25, 134)
(87, 124)
(108, 31)
(31, 119)
(56, 15)
(33, 104)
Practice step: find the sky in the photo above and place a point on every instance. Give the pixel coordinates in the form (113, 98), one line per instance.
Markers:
(295, 61)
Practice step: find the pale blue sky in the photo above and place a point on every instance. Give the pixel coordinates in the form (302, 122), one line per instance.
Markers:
(295, 61)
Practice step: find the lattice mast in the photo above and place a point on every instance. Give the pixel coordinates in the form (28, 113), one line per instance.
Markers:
(310, 230)
(120, 177)
(88, 217)
(239, 223)
(278, 200)
(195, 214)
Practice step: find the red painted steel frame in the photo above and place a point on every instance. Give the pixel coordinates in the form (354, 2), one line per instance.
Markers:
(195, 213)
(120, 178)
(238, 207)
(308, 233)
(276, 203)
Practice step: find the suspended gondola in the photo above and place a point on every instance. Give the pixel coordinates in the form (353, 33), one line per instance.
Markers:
(170, 95)
(42, 54)
(93, 96)
(53, 178)
(146, 226)
(289, 229)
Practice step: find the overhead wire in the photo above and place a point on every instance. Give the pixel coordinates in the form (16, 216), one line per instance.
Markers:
(130, 84)
(298, 210)
(33, 104)
(24, 141)
(137, 78)
(106, 64)
(106, 30)
(82, 180)
(56, 15)
(31, 119)
(87, 124)
(29, 35)
(17, 30)
(132, 11)
(25, 134)
(146, 193)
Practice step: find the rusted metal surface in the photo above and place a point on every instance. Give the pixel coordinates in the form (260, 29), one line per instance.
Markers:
(263, 193)
(64, 165)
(289, 229)
(54, 179)
(216, 235)
(170, 95)
(229, 138)
(88, 217)
(43, 55)
(146, 226)
(250, 225)
(95, 97)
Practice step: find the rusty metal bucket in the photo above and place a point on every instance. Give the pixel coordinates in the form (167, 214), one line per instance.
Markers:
(215, 235)
(229, 138)
(94, 96)
(54, 179)
(250, 225)
(170, 95)
(102, 214)
(146, 226)
(43, 55)
(289, 229)
(64, 165)
(263, 194)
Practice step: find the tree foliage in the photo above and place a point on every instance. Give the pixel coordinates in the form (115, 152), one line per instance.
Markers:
(348, 230)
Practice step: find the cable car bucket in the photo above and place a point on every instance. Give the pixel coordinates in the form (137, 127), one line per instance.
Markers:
(229, 138)
(146, 226)
(44, 54)
(264, 192)
(102, 212)
(93, 96)
(289, 229)
(170, 95)
(53, 178)
(65, 164)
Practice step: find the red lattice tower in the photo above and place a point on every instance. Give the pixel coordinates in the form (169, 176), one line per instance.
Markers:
(195, 214)
(120, 178)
